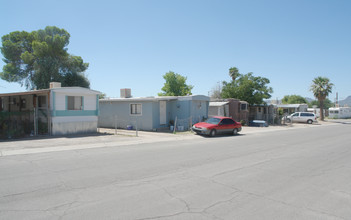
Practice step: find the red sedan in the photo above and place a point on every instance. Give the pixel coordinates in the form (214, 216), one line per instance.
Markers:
(217, 125)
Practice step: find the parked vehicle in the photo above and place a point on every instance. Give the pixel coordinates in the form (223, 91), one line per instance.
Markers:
(258, 123)
(306, 117)
(217, 125)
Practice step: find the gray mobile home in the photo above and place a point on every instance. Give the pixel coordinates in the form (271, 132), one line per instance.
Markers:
(153, 113)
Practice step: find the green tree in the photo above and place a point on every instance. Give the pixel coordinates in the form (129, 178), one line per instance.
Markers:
(321, 88)
(37, 58)
(234, 73)
(175, 85)
(327, 104)
(248, 87)
(294, 99)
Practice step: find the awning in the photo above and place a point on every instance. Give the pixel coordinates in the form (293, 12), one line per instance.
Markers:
(32, 92)
(217, 104)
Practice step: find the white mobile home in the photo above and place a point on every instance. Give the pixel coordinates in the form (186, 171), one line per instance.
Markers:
(55, 111)
(340, 112)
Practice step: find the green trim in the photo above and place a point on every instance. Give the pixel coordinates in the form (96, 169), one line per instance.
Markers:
(75, 113)
(53, 103)
(97, 105)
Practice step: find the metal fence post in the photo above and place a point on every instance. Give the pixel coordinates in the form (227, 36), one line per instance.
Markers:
(136, 127)
(115, 124)
(175, 125)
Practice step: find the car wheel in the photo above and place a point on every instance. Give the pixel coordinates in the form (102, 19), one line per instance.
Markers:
(288, 120)
(213, 133)
(309, 121)
(235, 131)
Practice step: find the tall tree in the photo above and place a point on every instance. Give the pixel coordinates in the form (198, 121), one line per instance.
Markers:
(175, 85)
(250, 88)
(294, 99)
(321, 88)
(35, 59)
(327, 104)
(234, 73)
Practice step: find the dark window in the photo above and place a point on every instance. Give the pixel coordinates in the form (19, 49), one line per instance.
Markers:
(227, 121)
(306, 114)
(41, 101)
(243, 107)
(74, 102)
(1, 105)
(23, 103)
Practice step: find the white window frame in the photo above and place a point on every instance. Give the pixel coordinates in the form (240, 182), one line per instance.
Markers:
(74, 104)
(241, 107)
(137, 113)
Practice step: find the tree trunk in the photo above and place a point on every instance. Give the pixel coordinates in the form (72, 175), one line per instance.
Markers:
(321, 109)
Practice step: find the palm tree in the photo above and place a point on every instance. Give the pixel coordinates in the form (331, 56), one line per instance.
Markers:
(234, 73)
(321, 88)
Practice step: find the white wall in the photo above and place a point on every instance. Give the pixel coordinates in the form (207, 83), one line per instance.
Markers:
(74, 125)
(60, 101)
(89, 102)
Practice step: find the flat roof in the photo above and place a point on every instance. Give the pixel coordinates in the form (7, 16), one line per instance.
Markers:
(45, 91)
(32, 92)
(218, 103)
(157, 98)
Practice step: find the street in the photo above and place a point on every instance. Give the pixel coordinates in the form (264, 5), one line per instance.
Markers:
(282, 174)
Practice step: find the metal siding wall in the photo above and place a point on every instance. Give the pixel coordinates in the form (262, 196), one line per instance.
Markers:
(108, 111)
(60, 101)
(90, 102)
(74, 125)
(199, 110)
(156, 115)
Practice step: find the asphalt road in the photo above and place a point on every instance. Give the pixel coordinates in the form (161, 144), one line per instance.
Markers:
(283, 174)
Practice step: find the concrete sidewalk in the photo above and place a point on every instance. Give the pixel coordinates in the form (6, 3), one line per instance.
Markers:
(108, 138)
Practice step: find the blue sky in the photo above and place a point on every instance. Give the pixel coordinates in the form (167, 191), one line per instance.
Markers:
(132, 44)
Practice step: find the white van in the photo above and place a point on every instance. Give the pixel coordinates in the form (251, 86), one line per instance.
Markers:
(307, 117)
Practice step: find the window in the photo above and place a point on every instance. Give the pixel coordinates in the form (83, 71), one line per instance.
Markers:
(227, 122)
(307, 114)
(41, 101)
(135, 109)
(243, 106)
(74, 102)
(23, 103)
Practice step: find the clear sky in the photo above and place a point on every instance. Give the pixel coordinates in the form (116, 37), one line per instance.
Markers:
(132, 44)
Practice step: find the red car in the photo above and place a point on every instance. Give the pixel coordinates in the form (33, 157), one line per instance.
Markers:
(217, 125)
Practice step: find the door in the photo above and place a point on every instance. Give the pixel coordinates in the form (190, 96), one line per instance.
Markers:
(163, 112)
(226, 126)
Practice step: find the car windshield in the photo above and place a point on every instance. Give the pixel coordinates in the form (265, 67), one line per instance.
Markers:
(213, 121)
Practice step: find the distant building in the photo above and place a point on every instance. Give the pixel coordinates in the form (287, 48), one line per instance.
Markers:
(340, 112)
(234, 108)
(291, 108)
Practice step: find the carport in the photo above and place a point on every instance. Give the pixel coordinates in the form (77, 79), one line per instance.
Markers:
(24, 113)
